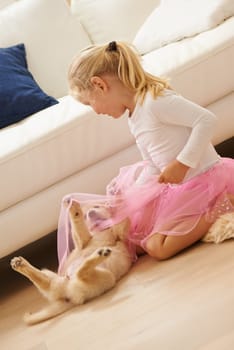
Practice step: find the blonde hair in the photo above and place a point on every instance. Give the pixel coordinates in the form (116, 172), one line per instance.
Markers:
(119, 59)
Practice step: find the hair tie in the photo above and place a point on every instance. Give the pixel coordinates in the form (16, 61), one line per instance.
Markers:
(112, 46)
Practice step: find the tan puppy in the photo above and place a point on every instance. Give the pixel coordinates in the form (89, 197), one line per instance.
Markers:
(97, 262)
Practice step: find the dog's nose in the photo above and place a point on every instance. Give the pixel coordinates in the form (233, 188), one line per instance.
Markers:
(92, 214)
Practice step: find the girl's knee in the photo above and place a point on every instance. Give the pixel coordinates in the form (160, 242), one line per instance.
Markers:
(231, 198)
(154, 247)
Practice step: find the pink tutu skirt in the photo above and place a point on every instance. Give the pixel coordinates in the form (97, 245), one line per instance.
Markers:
(170, 209)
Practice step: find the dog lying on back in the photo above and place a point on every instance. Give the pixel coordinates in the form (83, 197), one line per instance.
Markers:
(97, 262)
(94, 266)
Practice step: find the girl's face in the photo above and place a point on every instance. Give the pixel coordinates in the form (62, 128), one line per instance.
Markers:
(108, 96)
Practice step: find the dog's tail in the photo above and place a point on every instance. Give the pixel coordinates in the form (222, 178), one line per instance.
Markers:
(48, 312)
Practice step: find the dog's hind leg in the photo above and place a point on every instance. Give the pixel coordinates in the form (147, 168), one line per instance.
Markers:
(80, 232)
(52, 310)
(40, 279)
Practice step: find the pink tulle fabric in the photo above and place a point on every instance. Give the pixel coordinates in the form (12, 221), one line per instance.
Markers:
(170, 209)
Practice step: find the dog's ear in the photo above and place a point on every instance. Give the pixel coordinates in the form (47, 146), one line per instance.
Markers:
(121, 229)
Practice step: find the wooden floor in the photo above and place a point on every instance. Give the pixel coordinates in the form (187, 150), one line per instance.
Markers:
(185, 303)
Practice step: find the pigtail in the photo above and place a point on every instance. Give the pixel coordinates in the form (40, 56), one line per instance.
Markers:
(134, 77)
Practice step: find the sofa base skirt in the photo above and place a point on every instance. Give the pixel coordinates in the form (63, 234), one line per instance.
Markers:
(37, 216)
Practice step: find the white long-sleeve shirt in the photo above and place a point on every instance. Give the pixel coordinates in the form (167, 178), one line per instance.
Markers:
(171, 127)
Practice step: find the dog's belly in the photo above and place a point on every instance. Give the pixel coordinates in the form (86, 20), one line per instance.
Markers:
(73, 266)
(77, 257)
(119, 261)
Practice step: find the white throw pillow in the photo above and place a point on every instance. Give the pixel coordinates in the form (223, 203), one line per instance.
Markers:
(52, 36)
(174, 20)
(107, 20)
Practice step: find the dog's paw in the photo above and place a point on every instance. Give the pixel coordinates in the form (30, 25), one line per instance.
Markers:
(104, 251)
(75, 210)
(17, 263)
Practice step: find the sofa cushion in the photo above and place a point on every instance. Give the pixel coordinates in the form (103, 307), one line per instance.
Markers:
(20, 95)
(52, 36)
(174, 20)
(54, 144)
(201, 67)
(106, 20)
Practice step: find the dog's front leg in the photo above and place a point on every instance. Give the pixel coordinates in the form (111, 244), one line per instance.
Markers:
(95, 280)
(87, 269)
(80, 232)
(36, 276)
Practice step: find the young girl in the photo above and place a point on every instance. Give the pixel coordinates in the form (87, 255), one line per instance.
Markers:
(180, 188)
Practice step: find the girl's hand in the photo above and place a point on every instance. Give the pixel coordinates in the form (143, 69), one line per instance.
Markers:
(174, 173)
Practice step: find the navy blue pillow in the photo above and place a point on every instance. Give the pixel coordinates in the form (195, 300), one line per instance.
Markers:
(20, 95)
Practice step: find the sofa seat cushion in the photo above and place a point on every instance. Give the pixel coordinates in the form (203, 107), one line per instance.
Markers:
(53, 144)
(201, 67)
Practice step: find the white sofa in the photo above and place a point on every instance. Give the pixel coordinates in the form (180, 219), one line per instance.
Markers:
(67, 148)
